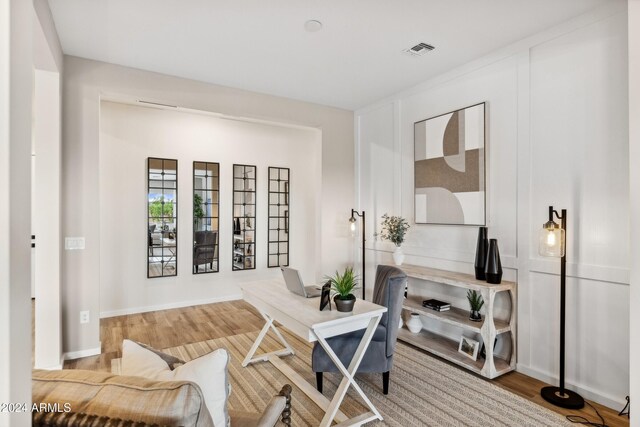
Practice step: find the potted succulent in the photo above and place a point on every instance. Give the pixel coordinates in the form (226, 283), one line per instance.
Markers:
(475, 302)
(394, 229)
(343, 286)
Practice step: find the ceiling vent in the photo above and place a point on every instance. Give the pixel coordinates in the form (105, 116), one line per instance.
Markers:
(419, 49)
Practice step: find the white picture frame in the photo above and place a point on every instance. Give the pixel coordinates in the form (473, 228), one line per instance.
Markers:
(469, 347)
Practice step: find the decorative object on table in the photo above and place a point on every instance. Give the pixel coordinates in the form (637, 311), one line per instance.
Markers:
(352, 228)
(482, 249)
(325, 296)
(436, 305)
(394, 229)
(493, 266)
(475, 304)
(469, 347)
(552, 243)
(449, 168)
(343, 285)
(414, 324)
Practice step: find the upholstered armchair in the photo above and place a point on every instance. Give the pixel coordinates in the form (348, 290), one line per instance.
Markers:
(204, 248)
(389, 292)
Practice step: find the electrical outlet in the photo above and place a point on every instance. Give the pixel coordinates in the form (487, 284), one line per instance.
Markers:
(84, 317)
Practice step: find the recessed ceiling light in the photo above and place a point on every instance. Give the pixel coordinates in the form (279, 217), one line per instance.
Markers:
(312, 26)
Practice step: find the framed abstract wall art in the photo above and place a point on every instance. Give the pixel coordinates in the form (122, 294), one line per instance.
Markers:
(449, 168)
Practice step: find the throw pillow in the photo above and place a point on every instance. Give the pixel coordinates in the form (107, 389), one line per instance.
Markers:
(208, 371)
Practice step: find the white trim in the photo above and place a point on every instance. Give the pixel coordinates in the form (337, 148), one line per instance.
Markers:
(83, 353)
(588, 393)
(135, 310)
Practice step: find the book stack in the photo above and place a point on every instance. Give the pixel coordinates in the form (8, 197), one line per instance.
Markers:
(436, 305)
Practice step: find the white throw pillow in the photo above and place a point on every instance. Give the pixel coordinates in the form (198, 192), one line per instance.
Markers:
(208, 371)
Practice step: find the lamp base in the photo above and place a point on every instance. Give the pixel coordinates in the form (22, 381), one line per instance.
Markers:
(567, 399)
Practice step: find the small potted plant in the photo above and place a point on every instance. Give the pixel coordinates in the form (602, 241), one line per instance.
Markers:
(343, 285)
(475, 302)
(394, 229)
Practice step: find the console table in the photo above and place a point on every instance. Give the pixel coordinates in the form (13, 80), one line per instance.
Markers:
(489, 328)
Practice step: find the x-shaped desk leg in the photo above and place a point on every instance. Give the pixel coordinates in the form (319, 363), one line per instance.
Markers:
(348, 379)
(264, 357)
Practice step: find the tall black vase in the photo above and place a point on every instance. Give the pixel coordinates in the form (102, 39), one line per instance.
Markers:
(493, 267)
(481, 253)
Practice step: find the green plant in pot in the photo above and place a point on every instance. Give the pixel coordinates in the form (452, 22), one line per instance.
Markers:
(343, 286)
(475, 303)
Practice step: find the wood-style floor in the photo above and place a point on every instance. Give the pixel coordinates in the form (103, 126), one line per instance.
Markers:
(170, 328)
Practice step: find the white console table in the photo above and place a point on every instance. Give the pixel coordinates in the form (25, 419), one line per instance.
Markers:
(489, 328)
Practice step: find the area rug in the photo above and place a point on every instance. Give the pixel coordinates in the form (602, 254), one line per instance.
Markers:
(424, 391)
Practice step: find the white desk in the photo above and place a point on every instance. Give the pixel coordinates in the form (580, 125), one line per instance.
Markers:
(303, 317)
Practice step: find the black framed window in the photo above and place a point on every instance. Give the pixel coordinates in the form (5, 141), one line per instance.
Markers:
(162, 217)
(244, 217)
(206, 213)
(279, 215)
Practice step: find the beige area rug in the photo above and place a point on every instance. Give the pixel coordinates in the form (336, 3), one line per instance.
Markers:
(424, 391)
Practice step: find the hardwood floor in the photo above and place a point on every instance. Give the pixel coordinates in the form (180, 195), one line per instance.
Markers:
(170, 328)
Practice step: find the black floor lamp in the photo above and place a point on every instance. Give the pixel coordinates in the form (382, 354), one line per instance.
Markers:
(552, 243)
(352, 220)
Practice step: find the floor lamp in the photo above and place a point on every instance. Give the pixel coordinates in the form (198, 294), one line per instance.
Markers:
(552, 243)
(352, 220)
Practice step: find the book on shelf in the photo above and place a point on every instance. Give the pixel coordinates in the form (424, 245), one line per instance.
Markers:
(436, 305)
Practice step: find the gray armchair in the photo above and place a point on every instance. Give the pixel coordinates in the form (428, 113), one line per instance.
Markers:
(205, 248)
(389, 292)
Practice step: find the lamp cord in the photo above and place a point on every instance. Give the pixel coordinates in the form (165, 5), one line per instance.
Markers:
(579, 419)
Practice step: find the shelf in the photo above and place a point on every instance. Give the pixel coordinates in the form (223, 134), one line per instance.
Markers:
(451, 278)
(238, 237)
(238, 252)
(238, 266)
(448, 349)
(455, 316)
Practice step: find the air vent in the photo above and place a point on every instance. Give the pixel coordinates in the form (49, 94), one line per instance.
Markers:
(419, 49)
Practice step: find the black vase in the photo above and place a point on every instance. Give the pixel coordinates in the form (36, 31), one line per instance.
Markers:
(493, 267)
(236, 226)
(481, 253)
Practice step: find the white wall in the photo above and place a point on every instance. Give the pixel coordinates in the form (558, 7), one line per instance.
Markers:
(634, 168)
(46, 219)
(557, 135)
(15, 215)
(85, 82)
(129, 134)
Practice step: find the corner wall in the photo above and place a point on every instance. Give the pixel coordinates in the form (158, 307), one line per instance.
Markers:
(86, 81)
(634, 168)
(557, 135)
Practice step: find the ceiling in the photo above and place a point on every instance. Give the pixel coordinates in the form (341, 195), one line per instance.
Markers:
(262, 46)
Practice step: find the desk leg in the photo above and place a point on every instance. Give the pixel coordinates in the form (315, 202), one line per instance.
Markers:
(348, 379)
(264, 357)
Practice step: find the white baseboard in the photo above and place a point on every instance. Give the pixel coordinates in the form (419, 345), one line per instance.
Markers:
(145, 309)
(83, 353)
(586, 392)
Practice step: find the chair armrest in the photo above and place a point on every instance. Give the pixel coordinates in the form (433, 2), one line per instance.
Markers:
(279, 405)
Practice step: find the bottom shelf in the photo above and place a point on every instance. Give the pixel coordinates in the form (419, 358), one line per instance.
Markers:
(448, 349)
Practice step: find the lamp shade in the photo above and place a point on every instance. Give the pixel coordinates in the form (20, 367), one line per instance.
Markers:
(551, 240)
(352, 226)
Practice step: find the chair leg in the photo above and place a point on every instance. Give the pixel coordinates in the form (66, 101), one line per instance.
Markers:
(385, 382)
(319, 381)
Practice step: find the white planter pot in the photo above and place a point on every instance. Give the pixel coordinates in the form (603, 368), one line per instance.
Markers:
(398, 255)
(414, 324)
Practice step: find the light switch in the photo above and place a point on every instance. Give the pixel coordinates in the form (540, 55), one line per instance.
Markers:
(73, 243)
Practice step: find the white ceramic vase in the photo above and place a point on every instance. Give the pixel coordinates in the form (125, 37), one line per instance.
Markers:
(414, 324)
(398, 255)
